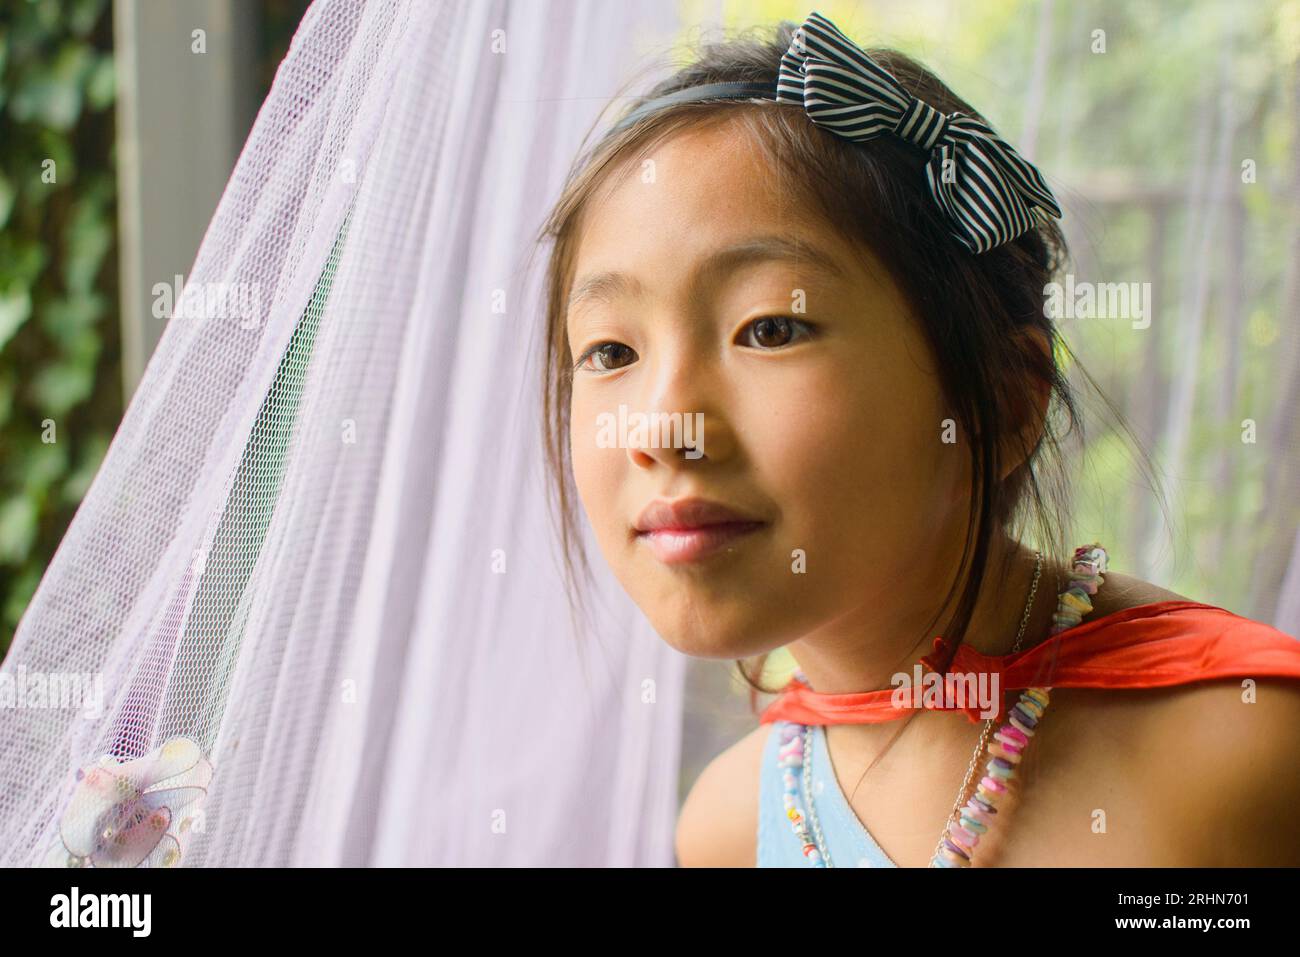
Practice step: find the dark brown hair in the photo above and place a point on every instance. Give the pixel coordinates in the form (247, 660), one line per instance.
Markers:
(982, 315)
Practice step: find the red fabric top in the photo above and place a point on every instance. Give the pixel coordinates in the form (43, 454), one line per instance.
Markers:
(1148, 646)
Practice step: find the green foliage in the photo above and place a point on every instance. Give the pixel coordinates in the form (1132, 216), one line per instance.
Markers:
(60, 390)
(60, 369)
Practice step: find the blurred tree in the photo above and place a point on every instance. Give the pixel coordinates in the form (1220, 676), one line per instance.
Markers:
(60, 397)
(60, 376)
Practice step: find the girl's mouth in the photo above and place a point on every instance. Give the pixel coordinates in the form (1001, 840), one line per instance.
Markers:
(674, 546)
(692, 529)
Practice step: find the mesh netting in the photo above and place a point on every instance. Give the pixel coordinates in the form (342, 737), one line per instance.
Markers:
(313, 579)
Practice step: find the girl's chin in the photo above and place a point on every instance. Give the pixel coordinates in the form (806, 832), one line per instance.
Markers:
(716, 645)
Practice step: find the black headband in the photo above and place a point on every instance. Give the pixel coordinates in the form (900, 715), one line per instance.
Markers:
(729, 90)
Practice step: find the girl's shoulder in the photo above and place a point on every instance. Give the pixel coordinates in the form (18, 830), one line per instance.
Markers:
(1145, 611)
(1216, 758)
(1210, 765)
(717, 825)
(1119, 592)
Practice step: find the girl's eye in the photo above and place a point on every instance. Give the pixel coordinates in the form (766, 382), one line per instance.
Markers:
(773, 332)
(607, 356)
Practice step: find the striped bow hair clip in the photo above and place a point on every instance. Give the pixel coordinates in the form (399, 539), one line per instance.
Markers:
(987, 190)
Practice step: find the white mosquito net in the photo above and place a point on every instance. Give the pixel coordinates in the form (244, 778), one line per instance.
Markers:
(312, 601)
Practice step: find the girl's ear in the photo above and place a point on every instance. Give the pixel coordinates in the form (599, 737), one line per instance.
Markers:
(1026, 406)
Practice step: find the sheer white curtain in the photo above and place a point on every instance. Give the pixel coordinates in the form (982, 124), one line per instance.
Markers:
(314, 575)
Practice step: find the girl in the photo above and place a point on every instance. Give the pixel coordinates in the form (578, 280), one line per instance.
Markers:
(826, 258)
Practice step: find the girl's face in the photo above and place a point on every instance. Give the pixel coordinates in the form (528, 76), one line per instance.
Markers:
(701, 289)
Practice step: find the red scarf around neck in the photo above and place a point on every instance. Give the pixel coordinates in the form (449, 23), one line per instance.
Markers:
(1155, 645)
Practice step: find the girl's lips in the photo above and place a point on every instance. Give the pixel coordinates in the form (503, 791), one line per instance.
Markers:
(674, 546)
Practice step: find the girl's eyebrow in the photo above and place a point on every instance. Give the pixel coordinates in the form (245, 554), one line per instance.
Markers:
(610, 284)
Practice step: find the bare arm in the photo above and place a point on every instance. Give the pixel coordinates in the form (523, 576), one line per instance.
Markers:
(1235, 805)
(718, 822)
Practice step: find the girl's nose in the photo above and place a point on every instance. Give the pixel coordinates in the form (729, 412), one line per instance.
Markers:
(691, 451)
(681, 400)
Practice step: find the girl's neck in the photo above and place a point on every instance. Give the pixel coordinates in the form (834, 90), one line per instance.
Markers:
(862, 650)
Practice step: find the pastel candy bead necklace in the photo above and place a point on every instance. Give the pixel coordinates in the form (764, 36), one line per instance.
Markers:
(970, 821)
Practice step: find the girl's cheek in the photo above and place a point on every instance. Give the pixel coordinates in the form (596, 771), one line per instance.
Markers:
(854, 451)
(595, 469)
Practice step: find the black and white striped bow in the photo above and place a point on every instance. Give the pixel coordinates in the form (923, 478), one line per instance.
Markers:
(987, 190)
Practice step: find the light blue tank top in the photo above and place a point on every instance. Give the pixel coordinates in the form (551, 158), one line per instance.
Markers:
(847, 842)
